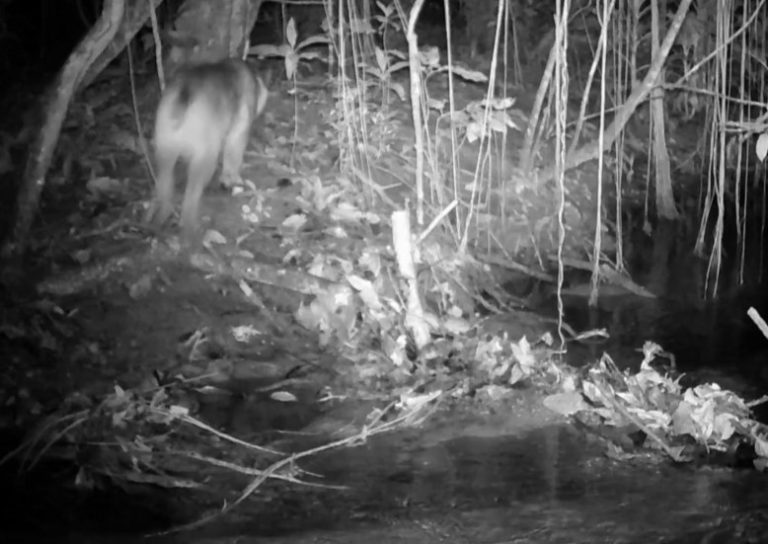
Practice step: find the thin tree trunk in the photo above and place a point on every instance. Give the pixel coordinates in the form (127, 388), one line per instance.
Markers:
(665, 199)
(56, 107)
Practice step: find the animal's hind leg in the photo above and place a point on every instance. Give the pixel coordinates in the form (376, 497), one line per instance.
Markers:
(161, 207)
(201, 170)
(235, 143)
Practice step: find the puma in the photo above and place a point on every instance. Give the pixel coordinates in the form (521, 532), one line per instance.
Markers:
(204, 114)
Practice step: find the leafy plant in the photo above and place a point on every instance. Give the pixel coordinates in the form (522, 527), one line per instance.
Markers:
(385, 68)
(386, 22)
(499, 118)
(293, 51)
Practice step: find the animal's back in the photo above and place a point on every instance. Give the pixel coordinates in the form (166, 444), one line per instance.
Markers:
(217, 88)
(205, 112)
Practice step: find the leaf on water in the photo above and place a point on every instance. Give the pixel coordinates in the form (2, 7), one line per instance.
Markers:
(283, 396)
(761, 148)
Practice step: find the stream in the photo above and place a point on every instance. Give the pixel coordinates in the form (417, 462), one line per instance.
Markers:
(481, 483)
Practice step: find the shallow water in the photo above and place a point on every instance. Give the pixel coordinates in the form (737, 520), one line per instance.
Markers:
(552, 485)
(549, 485)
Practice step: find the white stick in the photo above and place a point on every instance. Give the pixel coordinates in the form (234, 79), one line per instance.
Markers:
(759, 321)
(401, 239)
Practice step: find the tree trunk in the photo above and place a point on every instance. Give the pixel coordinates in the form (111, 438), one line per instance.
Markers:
(213, 30)
(136, 15)
(56, 106)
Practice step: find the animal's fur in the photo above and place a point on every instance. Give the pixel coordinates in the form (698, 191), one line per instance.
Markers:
(205, 113)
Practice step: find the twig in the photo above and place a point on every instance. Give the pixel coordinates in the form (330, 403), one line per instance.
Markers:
(55, 438)
(415, 73)
(517, 267)
(757, 319)
(757, 402)
(79, 417)
(368, 430)
(253, 471)
(200, 425)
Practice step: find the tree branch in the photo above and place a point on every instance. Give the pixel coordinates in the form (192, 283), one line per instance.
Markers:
(56, 107)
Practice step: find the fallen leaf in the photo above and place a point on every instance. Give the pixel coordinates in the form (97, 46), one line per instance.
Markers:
(566, 404)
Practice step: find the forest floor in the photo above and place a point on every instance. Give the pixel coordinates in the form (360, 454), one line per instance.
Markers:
(168, 381)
